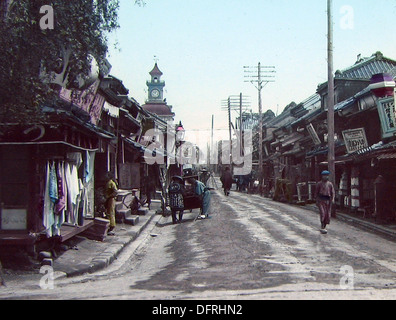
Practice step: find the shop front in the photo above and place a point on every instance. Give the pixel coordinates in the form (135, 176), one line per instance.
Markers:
(47, 183)
(368, 183)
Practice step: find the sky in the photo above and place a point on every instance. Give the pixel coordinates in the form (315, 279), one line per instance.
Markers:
(203, 45)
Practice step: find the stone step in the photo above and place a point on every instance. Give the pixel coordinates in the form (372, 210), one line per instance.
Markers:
(122, 214)
(155, 204)
(132, 220)
(142, 212)
(98, 231)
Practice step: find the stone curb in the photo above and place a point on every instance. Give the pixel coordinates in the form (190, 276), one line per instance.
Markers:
(104, 259)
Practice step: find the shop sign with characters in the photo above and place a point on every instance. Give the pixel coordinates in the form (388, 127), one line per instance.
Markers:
(355, 140)
(386, 112)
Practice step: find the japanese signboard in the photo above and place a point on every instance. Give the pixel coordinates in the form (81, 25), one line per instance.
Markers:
(129, 175)
(313, 134)
(355, 140)
(386, 112)
(13, 219)
(83, 99)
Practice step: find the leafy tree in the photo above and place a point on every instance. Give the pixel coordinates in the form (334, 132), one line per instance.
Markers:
(26, 50)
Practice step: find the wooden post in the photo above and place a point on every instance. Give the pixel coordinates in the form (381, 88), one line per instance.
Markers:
(330, 96)
(260, 87)
(230, 132)
(240, 126)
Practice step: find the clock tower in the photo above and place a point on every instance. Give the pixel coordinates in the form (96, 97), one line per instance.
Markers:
(155, 85)
(156, 103)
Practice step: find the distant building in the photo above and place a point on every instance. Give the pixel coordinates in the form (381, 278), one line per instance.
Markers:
(156, 104)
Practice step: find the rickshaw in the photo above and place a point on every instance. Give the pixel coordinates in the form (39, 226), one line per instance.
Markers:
(190, 199)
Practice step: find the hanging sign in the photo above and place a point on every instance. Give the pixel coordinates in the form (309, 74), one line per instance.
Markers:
(129, 176)
(386, 112)
(394, 98)
(13, 219)
(313, 134)
(355, 140)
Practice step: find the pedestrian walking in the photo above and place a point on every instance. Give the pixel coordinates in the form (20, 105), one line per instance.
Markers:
(176, 200)
(325, 196)
(227, 180)
(111, 194)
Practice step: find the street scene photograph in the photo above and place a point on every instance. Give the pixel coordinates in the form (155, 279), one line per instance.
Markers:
(215, 152)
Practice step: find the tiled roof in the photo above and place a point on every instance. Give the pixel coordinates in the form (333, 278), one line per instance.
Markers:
(160, 109)
(392, 72)
(365, 68)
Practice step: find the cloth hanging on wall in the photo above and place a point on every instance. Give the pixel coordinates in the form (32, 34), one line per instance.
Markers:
(65, 195)
(61, 203)
(48, 212)
(89, 166)
(53, 184)
(73, 188)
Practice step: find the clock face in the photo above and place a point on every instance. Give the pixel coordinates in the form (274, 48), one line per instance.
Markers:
(155, 93)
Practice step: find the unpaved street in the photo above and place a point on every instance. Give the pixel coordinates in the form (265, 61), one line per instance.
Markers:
(251, 248)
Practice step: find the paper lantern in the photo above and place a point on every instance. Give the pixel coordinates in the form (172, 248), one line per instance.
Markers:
(382, 85)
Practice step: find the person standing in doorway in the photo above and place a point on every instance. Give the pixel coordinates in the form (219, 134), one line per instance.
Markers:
(325, 196)
(111, 194)
(227, 180)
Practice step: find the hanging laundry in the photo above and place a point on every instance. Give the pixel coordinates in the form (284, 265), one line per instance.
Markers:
(61, 203)
(69, 202)
(76, 158)
(53, 184)
(48, 212)
(60, 206)
(89, 166)
(72, 183)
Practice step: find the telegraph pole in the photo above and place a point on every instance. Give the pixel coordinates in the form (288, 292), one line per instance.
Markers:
(260, 80)
(234, 103)
(330, 96)
(229, 128)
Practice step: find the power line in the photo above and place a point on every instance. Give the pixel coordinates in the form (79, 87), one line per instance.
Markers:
(260, 76)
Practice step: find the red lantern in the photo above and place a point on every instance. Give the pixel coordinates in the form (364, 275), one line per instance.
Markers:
(382, 85)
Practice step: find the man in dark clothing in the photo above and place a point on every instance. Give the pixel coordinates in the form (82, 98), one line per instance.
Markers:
(176, 200)
(227, 180)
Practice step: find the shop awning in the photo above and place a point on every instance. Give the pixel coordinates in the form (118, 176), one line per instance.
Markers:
(134, 144)
(46, 143)
(292, 139)
(143, 149)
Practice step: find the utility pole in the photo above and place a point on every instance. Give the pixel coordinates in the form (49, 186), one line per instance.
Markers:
(240, 125)
(330, 96)
(212, 159)
(229, 128)
(260, 80)
(238, 103)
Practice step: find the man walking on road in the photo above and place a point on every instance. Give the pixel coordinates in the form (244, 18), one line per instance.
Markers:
(324, 199)
(227, 180)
